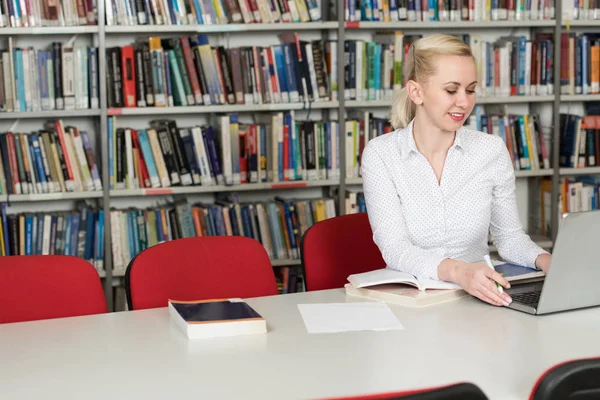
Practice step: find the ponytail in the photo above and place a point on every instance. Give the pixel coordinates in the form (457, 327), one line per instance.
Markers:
(403, 110)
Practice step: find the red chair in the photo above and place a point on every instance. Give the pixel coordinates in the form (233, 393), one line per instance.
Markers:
(45, 287)
(338, 247)
(459, 391)
(575, 380)
(199, 268)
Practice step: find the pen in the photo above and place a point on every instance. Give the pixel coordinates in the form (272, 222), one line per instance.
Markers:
(489, 263)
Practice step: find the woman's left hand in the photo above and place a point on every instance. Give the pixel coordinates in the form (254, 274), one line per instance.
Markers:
(543, 262)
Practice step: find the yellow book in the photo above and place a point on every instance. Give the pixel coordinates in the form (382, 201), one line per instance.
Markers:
(532, 149)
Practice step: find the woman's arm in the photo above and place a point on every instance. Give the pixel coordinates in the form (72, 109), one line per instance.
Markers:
(387, 221)
(513, 244)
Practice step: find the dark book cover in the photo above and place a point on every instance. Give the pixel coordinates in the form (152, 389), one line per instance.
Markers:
(214, 311)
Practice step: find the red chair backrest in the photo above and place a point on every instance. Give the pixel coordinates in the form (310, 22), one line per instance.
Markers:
(459, 391)
(337, 247)
(199, 268)
(575, 379)
(45, 287)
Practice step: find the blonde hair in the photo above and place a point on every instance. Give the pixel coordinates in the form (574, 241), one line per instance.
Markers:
(419, 66)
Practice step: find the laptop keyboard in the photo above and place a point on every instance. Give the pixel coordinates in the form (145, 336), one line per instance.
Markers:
(528, 298)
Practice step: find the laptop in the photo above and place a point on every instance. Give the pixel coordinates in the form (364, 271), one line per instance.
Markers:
(574, 276)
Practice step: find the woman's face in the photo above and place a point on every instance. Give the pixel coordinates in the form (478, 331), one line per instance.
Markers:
(448, 97)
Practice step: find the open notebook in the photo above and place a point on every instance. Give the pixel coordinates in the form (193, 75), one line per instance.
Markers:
(401, 288)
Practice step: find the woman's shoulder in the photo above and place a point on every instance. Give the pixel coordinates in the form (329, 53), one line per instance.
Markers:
(391, 141)
(481, 141)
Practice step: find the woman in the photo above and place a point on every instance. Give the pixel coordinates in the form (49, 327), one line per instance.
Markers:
(435, 189)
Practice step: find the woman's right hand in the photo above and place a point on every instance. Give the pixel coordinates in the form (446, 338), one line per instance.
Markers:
(479, 280)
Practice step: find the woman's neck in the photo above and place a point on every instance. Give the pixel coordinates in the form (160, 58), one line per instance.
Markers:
(430, 140)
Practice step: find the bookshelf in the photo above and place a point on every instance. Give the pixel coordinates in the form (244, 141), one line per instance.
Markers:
(338, 30)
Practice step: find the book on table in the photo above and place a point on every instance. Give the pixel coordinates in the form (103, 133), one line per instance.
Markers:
(401, 288)
(518, 274)
(214, 318)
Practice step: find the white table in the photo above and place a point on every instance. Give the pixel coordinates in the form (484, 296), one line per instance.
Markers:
(140, 354)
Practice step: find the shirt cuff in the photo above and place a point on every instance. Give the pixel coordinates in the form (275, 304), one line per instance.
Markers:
(431, 263)
(534, 254)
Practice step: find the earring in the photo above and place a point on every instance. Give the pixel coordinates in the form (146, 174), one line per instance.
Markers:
(418, 101)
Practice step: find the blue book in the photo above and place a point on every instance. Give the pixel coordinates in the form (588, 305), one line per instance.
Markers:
(75, 222)
(148, 158)
(514, 272)
(280, 62)
(67, 250)
(28, 235)
(160, 236)
(111, 154)
(40, 235)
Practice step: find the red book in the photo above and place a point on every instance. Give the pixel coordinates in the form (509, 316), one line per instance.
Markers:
(128, 71)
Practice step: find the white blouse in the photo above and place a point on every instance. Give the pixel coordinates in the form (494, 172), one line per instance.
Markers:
(417, 223)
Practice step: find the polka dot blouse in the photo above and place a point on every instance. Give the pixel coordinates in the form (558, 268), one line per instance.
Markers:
(417, 223)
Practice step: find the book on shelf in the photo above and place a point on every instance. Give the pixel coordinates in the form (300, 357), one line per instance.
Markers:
(508, 66)
(56, 159)
(580, 63)
(228, 152)
(39, 13)
(359, 129)
(573, 10)
(413, 11)
(401, 288)
(77, 233)
(219, 12)
(528, 144)
(278, 225)
(63, 77)
(579, 141)
(355, 201)
(216, 318)
(187, 71)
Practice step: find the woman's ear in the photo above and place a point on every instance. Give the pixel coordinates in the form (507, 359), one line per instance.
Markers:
(415, 92)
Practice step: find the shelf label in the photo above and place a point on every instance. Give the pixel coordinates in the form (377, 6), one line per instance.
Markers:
(352, 24)
(158, 191)
(290, 185)
(114, 111)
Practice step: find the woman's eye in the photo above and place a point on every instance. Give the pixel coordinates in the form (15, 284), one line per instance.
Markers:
(451, 91)
(470, 91)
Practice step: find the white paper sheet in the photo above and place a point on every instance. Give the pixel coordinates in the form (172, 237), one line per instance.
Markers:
(346, 317)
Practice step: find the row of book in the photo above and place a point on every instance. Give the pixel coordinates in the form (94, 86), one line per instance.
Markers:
(574, 195)
(226, 153)
(578, 10)
(355, 201)
(289, 280)
(448, 10)
(53, 160)
(509, 66)
(357, 132)
(73, 233)
(580, 195)
(528, 144)
(203, 12)
(188, 71)
(37, 13)
(278, 225)
(514, 65)
(580, 63)
(65, 77)
(580, 141)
